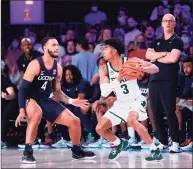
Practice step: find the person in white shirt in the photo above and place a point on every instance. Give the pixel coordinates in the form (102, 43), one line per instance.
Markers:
(105, 33)
(133, 31)
(95, 16)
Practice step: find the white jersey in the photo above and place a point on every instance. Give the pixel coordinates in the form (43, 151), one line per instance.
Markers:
(123, 89)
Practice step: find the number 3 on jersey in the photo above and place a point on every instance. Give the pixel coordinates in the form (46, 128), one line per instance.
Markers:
(125, 89)
(44, 85)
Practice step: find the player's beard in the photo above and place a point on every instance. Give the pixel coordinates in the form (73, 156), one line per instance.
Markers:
(52, 54)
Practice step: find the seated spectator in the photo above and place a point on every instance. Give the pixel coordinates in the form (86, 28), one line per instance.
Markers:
(149, 35)
(133, 31)
(89, 37)
(14, 49)
(105, 33)
(27, 55)
(70, 52)
(74, 85)
(9, 107)
(95, 78)
(95, 16)
(187, 42)
(121, 27)
(184, 104)
(84, 60)
(140, 47)
(91, 47)
(12, 71)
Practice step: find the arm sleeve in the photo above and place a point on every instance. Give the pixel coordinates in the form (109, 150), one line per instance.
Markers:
(106, 88)
(23, 93)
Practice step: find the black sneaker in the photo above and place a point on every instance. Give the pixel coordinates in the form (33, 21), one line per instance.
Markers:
(81, 154)
(28, 157)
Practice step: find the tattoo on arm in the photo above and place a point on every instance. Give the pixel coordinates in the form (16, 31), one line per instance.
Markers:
(61, 96)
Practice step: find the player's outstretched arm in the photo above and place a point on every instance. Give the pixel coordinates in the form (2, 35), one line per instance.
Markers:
(32, 71)
(149, 67)
(61, 96)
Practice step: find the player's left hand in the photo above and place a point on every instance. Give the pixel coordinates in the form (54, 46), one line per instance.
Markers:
(80, 103)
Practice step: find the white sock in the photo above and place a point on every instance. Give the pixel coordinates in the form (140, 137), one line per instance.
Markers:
(117, 141)
(152, 146)
(131, 132)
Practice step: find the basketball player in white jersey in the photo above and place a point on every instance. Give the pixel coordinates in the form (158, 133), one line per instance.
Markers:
(127, 108)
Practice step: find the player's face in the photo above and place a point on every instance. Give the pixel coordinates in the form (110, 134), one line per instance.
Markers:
(107, 52)
(52, 48)
(187, 67)
(26, 47)
(68, 76)
(168, 23)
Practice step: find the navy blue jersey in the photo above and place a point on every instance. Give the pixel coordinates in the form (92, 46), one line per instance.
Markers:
(143, 88)
(42, 84)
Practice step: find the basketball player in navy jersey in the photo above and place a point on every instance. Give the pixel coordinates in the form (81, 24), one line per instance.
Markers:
(42, 77)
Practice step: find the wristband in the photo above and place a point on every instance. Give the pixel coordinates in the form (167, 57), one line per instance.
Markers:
(70, 101)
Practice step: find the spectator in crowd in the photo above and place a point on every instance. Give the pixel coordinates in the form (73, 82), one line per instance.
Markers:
(89, 37)
(91, 47)
(9, 106)
(27, 55)
(14, 50)
(143, 82)
(159, 11)
(165, 53)
(149, 35)
(105, 33)
(133, 31)
(187, 41)
(95, 16)
(84, 60)
(131, 46)
(140, 47)
(70, 51)
(184, 103)
(121, 27)
(75, 86)
(12, 70)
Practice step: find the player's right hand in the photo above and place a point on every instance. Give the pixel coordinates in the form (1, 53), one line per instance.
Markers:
(20, 117)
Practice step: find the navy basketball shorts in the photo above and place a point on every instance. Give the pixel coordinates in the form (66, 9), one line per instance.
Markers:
(51, 109)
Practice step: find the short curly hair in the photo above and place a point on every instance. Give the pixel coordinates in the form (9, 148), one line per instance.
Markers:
(117, 44)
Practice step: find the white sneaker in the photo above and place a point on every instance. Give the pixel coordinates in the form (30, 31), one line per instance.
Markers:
(108, 144)
(34, 146)
(142, 142)
(162, 147)
(60, 144)
(187, 148)
(95, 144)
(175, 148)
(89, 141)
(69, 144)
(132, 141)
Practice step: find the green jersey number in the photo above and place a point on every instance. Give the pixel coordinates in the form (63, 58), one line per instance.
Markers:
(125, 89)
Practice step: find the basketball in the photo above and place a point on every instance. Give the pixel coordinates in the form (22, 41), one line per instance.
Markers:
(131, 69)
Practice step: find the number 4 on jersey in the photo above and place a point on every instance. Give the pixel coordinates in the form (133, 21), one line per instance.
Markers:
(44, 85)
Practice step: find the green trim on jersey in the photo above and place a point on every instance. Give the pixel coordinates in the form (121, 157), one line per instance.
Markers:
(122, 120)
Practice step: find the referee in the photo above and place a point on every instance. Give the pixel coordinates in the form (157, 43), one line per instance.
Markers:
(165, 53)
